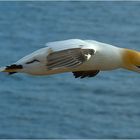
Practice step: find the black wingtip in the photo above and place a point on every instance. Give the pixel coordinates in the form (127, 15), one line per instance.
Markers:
(14, 66)
(83, 74)
(11, 73)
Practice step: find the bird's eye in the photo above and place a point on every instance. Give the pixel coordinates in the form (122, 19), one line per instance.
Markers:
(35, 60)
(138, 66)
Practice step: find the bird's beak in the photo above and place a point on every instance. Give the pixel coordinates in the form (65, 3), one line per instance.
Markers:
(11, 68)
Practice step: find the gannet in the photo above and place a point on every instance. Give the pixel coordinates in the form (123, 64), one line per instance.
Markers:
(84, 58)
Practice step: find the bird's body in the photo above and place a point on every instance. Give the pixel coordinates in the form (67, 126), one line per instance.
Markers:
(85, 58)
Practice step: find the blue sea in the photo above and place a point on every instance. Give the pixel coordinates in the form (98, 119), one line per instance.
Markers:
(60, 106)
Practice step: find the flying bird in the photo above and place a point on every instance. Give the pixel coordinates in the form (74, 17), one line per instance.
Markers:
(84, 58)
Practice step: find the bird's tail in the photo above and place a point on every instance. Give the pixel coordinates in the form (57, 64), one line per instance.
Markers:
(2, 69)
(11, 69)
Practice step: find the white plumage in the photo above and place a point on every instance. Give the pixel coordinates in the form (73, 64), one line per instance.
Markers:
(85, 58)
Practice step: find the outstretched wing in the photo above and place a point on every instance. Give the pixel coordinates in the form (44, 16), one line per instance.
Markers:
(69, 58)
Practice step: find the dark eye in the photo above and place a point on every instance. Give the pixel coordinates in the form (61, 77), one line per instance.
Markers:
(138, 66)
(35, 60)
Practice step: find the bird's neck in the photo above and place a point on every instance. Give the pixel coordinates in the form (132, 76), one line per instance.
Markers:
(131, 59)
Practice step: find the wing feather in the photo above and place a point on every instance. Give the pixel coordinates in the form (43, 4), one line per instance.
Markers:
(68, 58)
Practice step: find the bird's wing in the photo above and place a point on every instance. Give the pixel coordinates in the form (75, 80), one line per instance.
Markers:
(83, 74)
(69, 58)
(67, 44)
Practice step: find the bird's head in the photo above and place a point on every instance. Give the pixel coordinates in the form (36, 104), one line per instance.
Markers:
(131, 60)
(34, 64)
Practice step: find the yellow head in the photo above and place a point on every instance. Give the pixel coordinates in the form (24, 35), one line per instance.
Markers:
(131, 60)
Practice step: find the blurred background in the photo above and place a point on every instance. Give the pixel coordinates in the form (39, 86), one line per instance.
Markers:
(60, 106)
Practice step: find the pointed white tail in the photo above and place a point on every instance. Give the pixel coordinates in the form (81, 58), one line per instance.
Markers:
(2, 69)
